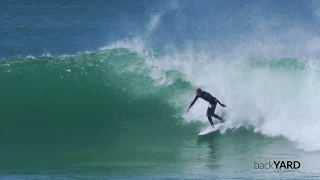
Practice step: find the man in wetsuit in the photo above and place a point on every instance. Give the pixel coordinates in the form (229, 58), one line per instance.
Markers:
(212, 104)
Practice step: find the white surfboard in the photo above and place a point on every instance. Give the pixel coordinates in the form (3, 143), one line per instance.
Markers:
(209, 129)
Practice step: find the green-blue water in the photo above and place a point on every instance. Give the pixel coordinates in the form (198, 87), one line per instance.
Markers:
(90, 116)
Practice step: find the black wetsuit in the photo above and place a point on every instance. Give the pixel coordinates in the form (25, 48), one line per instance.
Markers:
(212, 104)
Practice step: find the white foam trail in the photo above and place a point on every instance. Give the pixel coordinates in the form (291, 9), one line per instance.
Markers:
(153, 24)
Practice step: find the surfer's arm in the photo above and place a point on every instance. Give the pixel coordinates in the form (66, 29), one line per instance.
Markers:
(219, 102)
(194, 100)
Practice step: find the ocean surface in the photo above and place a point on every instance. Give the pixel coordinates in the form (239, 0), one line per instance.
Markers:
(96, 89)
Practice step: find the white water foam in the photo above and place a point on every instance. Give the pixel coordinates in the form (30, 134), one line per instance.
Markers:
(276, 101)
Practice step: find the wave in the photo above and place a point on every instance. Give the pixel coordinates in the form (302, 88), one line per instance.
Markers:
(87, 98)
(120, 94)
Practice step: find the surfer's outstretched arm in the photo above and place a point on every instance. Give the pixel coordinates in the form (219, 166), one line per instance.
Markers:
(194, 100)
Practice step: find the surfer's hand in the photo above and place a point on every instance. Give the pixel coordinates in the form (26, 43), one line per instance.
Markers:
(223, 105)
(187, 111)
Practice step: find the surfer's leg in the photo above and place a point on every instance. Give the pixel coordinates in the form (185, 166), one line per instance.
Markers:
(218, 117)
(209, 112)
(213, 106)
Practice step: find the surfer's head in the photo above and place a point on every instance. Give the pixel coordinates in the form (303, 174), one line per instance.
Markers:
(198, 91)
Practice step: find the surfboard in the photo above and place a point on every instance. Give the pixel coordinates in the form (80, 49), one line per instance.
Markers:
(210, 130)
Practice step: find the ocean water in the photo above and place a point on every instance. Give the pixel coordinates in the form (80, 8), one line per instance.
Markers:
(98, 89)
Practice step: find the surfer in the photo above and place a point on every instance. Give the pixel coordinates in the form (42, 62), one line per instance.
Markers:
(212, 104)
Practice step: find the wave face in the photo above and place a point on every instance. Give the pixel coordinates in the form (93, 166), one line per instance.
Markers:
(65, 99)
(88, 108)
(118, 93)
